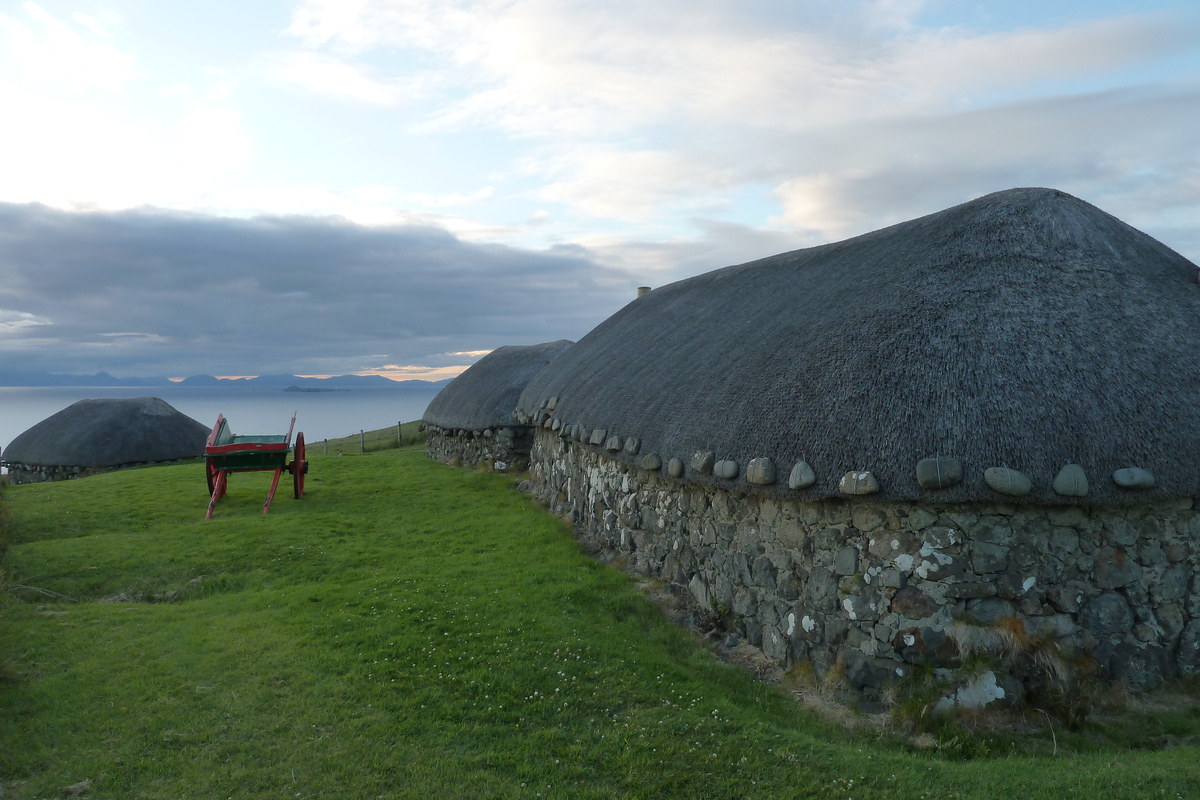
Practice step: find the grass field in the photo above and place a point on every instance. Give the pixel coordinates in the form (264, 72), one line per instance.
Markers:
(368, 442)
(410, 630)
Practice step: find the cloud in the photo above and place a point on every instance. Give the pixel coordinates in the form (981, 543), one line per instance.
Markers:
(446, 200)
(48, 50)
(418, 372)
(75, 132)
(16, 323)
(652, 113)
(548, 68)
(660, 138)
(328, 75)
(636, 185)
(159, 292)
(1123, 150)
(719, 244)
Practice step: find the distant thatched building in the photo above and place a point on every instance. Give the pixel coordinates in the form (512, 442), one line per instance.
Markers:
(990, 413)
(98, 435)
(471, 420)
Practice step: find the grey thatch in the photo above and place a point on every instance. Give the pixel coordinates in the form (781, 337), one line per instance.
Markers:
(1025, 329)
(485, 396)
(108, 433)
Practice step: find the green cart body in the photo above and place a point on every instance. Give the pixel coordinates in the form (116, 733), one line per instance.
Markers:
(226, 452)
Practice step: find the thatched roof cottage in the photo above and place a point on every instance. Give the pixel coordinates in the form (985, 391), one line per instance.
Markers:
(93, 436)
(989, 414)
(473, 418)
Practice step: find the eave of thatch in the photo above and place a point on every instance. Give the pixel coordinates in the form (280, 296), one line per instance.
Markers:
(485, 396)
(1025, 329)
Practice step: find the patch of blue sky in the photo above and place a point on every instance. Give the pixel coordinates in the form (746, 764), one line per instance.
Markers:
(1174, 60)
(1175, 69)
(342, 145)
(1011, 15)
(1119, 86)
(751, 204)
(167, 32)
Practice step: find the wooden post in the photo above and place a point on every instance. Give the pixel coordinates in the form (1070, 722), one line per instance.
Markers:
(399, 438)
(362, 442)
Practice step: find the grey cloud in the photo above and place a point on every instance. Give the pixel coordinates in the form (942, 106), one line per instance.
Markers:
(1129, 151)
(719, 244)
(159, 292)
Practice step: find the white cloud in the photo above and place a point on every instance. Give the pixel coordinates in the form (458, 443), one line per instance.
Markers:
(18, 323)
(212, 141)
(414, 372)
(334, 77)
(1123, 150)
(126, 341)
(446, 200)
(49, 51)
(658, 262)
(646, 112)
(546, 68)
(81, 136)
(635, 185)
(69, 153)
(363, 205)
(633, 128)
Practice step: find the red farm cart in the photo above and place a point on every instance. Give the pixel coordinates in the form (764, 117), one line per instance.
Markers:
(226, 452)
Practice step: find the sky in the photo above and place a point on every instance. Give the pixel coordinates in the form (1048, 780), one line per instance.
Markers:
(399, 186)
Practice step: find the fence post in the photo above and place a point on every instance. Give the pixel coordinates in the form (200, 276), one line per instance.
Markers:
(326, 447)
(362, 442)
(399, 438)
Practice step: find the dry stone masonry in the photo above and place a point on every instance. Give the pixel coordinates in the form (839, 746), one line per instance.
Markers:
(40, 473)
(875, 588)
(506, 449)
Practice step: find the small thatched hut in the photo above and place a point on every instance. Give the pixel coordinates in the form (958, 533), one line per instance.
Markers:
(989, 415)
(472, 419)
(94, 436)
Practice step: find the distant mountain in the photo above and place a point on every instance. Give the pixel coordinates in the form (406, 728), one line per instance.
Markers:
(202, 380)
(59, 379)
(339, 381)
(261, 382)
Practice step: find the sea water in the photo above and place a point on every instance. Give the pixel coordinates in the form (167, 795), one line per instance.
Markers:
(320, 415)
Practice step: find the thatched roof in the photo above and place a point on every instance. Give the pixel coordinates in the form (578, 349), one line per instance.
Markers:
(106, 433)
(485, 396)
(1025, 329)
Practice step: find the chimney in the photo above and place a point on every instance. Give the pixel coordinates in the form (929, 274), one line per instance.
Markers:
(643, 290)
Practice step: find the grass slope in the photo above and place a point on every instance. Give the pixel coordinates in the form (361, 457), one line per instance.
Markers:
(405, 630)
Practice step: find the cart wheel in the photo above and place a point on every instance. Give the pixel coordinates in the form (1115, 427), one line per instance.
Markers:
(210, 471)
(299, 466)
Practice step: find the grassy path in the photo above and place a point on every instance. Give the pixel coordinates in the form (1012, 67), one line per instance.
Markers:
(406, 630)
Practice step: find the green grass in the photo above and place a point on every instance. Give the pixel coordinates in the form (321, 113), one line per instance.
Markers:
(407, 630)
(370, 441)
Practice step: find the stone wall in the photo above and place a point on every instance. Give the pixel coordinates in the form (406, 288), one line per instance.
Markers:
(38, 473)
(875, 588)
(506, 448)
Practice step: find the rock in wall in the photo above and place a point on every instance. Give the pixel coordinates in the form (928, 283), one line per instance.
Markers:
(879, 587)
(38, 473)
(507, 448)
